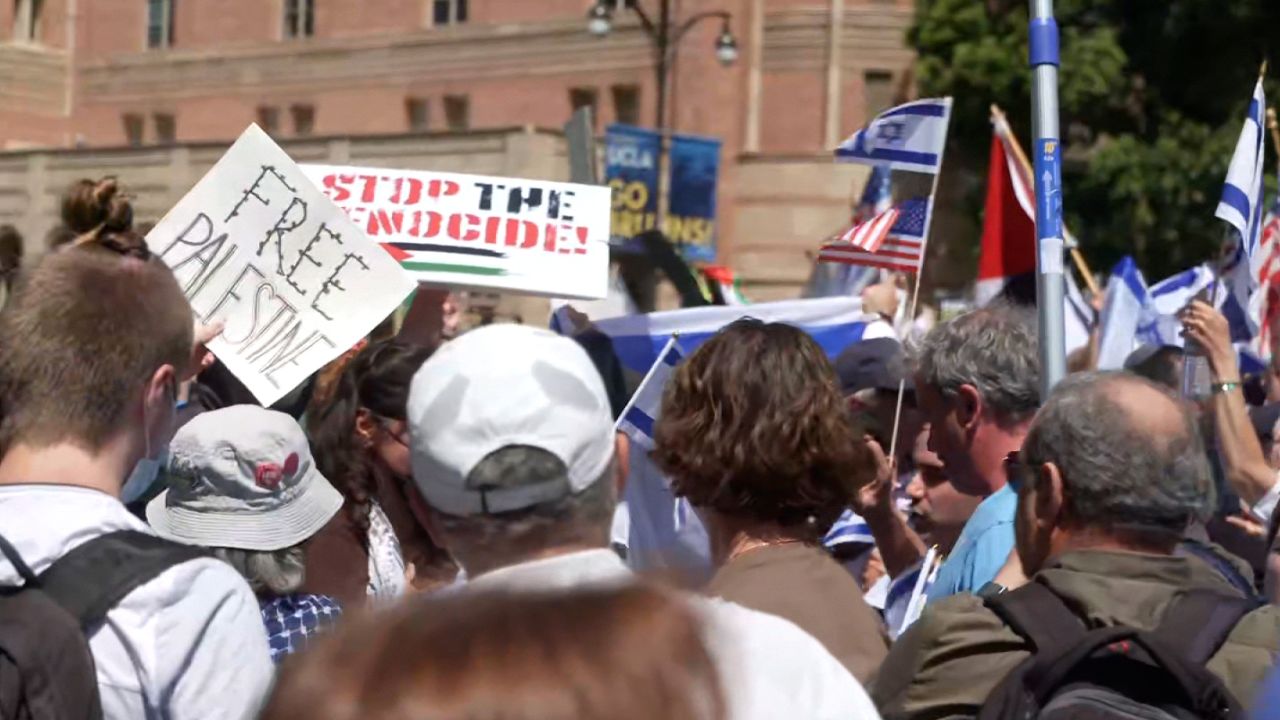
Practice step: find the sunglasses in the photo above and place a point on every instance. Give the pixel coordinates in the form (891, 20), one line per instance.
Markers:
(1016, 470)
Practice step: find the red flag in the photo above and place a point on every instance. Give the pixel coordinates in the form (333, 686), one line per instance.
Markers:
(1008, 228)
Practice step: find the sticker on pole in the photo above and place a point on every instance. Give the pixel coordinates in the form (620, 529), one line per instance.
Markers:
(1048, 188)
(528, 236)
(256, 245)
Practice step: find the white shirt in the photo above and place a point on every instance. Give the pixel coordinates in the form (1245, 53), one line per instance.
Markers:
(769, 668)
(188, 644)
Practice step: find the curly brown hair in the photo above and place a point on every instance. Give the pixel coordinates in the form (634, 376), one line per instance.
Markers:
(753, 425)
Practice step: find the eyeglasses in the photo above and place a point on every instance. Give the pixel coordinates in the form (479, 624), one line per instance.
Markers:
(388, 426)
(1015, 470)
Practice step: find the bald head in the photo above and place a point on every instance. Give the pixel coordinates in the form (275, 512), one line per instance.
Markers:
(1149, 408)
(1127, 450)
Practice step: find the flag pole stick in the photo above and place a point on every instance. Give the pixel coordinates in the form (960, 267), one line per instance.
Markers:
(1077, 257)
(1050, 287)
(647, 376)
(915, 290)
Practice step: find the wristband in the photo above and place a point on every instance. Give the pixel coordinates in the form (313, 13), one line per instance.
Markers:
(1223, 387)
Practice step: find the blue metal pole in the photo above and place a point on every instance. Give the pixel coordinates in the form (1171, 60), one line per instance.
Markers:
(1048, 181)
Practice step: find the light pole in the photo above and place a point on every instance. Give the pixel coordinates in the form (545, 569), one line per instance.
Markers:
(665, 33)
(1043, 31)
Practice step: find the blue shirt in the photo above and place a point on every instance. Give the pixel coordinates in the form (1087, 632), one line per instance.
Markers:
(292, 619)
(983, 547)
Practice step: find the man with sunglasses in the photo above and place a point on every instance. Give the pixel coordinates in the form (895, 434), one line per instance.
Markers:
(1111, 474)
(977, 381)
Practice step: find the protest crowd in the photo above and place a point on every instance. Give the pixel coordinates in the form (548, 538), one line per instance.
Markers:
(716, 513)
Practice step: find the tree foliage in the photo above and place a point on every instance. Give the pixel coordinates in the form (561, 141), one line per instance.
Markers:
(1153, 95)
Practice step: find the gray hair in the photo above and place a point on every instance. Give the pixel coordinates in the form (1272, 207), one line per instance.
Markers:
(503, 538)
(994, 350)
(271, 573)
(1115, 472)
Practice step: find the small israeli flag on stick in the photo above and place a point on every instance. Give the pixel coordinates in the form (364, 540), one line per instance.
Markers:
(909, 137)
(640, 413)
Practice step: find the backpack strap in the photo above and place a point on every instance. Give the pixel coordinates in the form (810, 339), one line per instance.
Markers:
(94, 577)
(1195, 548)
(1213, 614)
(11, 554)
(1039, 616)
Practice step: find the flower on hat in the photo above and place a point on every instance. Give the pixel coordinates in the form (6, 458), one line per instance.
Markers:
(268, 475)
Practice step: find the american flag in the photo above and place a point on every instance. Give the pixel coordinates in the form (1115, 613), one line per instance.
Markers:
(870, 235)
(1268, 279)
(902, 249)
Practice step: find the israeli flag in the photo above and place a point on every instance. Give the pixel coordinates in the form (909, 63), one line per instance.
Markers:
(1160, 324)
(849, 528)
(639, 340)
(656, 529)
(1078, 316)
(1242, 204)
(908, 137)
(1122, 312)
(638, 417)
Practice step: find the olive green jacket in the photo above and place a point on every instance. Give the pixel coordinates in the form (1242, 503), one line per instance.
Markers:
(958, 651)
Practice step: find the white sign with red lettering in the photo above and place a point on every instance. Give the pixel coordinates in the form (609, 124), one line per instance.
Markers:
(257, 245)
(528, 236)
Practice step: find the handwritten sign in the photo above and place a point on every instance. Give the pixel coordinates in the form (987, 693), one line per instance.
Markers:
(528, 236)
(256, 245)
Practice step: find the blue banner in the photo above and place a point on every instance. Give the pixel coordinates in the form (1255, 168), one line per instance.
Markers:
(691, 218)
(631, 170)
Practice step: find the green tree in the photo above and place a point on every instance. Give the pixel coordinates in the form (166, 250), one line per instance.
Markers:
(1153, 95)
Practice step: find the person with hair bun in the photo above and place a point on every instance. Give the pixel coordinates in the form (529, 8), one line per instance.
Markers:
(754, 432)
(99, 213)
(360, 440)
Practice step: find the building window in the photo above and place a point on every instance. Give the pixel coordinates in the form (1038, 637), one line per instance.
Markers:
(166, 128)
(304, 119)
(159, 23)
(877, 88)
(448, 12)
(457, 112)
(133, 129)
(269, 119)
(626, 104)
(299, 18)
(419, 114)
(26, 20)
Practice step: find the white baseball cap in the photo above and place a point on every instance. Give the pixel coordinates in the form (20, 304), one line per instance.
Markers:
(242, 477)
(500, 386)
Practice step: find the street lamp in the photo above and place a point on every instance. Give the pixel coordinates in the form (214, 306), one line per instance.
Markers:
(665, 35)
(726, 47)
(599, 20)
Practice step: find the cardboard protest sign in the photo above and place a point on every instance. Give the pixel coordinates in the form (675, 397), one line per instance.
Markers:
(529, 236)
(256, 245)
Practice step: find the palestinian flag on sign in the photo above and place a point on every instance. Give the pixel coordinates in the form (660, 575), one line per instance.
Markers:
(434, 257)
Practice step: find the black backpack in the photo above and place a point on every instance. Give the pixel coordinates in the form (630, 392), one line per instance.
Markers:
(46, 668)
(1116, 673)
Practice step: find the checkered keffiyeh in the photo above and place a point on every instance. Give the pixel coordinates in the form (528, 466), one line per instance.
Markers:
(291, 620)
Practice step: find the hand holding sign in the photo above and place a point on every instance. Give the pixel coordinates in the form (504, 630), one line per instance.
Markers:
(257, 246)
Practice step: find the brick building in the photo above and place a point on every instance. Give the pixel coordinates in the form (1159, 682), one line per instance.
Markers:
(111, 73)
